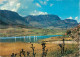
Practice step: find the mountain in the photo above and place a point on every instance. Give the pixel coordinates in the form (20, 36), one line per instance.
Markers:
(3, 23)
(71, 22)
(42, 20)
(50, 21)
(11, 18)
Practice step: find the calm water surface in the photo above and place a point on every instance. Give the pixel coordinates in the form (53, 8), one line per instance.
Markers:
(25, 38)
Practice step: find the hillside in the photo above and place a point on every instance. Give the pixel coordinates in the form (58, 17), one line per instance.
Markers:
(50, 21)
(11, 18)
(74, 32)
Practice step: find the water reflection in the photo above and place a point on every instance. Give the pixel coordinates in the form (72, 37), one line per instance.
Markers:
(25, 38)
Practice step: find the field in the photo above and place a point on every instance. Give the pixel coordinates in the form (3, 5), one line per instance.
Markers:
(54, 50)
(58, 38)
(29, 32)
(6, 49)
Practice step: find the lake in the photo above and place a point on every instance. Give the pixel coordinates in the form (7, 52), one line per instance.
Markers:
(25, 38)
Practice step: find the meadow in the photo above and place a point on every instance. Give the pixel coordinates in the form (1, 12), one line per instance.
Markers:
(53, 49)
(29, 32)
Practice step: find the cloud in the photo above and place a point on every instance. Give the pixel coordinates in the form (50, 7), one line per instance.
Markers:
(37, 4)
(24, 7)
(47, 0)
(51, 5)
(1, 1)
(35, 12)
(27, 7)
(44, 2)
(11, 5)
(70, 17)
(18, 5)
(76, 18)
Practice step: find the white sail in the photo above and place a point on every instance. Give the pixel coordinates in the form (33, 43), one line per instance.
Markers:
(24, 38)
(34, 38)
(29, 38)
(15, 39)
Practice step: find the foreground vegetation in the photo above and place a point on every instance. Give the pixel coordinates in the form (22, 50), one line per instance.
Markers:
(53, 49)
(29, 32)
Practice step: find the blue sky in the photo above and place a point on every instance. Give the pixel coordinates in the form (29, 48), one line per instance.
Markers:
(63, 8)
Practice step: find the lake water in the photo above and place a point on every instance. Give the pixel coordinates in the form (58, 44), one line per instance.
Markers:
(25, 38)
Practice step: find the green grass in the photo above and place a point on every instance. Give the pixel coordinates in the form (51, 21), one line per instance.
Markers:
(71, 50)
(30, 32)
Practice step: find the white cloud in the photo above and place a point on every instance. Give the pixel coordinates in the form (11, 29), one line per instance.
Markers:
(76, 18)
(27, 6)
(37, 4)
(1, 1)
(44, 2)
(23, 7)
(47, 0)
(35, 12)
(11, 5)
(18, 5)
(70, 17)
(51, 5)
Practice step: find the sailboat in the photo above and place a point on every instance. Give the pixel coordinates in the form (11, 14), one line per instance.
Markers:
(15, 39)
(29, 38)
(34, 38)
(24, 38)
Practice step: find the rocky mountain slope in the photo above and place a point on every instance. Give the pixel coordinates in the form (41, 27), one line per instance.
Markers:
(39, 21)
(50, 21)
(74, 33)
(11, 18)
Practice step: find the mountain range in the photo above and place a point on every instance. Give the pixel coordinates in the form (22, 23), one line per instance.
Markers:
(8, 18)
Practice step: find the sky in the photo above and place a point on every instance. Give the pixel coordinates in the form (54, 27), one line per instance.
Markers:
(63, 8)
